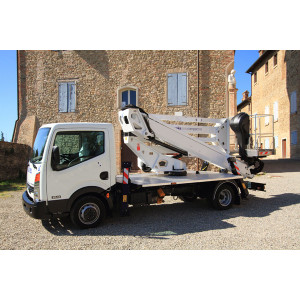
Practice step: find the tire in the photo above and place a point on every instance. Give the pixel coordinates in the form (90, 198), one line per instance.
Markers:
(88, 211)
(223, 197)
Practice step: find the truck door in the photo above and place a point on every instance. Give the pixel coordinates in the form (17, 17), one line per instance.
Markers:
(84, 161)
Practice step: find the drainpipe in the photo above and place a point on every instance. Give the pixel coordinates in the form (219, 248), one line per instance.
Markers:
(13, 139)
(198, 101)
(226, 85)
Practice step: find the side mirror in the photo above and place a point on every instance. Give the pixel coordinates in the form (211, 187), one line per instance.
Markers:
(55, 160)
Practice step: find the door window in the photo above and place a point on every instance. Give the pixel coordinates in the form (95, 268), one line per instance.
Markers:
(77, 147)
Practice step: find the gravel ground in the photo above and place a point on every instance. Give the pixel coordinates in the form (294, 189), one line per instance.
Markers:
(268, 220)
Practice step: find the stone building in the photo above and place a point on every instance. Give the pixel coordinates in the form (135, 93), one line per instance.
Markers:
(90, 86)
(245, 105)
(275, 81)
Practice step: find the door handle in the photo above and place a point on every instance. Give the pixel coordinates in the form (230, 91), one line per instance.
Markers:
(104, 175)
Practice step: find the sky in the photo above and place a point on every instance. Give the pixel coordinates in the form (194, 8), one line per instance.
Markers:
(243, 59)
(8, 92)
(8, 85)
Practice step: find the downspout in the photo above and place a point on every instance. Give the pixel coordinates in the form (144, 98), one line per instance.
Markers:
(18, 96)
(251, 94)
(198, 101)
(226, 86)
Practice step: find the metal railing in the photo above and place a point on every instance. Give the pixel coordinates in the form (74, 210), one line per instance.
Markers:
(261, 133)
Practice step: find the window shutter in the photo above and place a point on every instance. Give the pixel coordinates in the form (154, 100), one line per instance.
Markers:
(275, 111)
(172, 89)
(255, 121)
(62, 97)
(293, 102)
(276, 141)
(182, 89)
(294, 137)
(266, 113)
(267, 145)
(72, 97)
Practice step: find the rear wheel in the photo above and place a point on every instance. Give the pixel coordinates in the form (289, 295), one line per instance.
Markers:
(223, 197)
(88, 211)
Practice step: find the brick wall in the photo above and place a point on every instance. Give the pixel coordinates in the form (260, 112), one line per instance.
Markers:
(292, 60)
(276, 86)
(101, 75)
(13, 160)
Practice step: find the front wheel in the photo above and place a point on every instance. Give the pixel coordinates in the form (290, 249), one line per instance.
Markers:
(88, 212)
(223, 197)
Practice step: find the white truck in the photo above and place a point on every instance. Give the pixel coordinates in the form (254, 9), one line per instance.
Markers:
(73, 167)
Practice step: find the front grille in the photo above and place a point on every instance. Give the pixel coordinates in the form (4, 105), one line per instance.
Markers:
(30, 188)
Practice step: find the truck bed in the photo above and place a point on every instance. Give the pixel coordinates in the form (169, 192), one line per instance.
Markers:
(152, 179)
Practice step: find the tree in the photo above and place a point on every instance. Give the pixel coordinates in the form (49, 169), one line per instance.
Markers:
(2, 137)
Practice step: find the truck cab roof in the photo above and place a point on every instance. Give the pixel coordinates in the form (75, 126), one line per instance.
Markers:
(78, 125)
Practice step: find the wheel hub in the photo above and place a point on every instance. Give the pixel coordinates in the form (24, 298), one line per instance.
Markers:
(89, 213)
(225, 198)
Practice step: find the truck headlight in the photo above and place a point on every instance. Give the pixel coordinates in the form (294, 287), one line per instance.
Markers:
(36, 191)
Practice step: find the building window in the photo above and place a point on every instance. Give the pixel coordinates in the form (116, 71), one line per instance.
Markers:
(276, 141)
(294, 137)
(128, 97)
(267, 145)
(293, 102)
(275, 60)
(275, 111)
(177, 89)
(267, 112)
(67, 96)
(255, 77)
(266, 67)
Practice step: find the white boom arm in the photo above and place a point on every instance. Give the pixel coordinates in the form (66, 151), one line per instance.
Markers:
(158, 141)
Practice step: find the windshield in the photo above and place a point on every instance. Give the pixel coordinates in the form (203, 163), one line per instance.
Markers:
(39, 145)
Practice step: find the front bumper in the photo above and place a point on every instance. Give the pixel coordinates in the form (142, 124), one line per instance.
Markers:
(37, 210)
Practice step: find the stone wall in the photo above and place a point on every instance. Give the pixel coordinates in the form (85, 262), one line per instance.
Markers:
(13, 160)
(292, 60)
(276, 86)
(100, 77)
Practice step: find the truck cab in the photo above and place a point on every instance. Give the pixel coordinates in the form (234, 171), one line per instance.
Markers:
(70, 161)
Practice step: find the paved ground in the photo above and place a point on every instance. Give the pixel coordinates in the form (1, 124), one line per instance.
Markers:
(268, 220)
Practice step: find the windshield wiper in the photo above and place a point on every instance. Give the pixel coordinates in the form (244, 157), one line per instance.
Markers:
(36, 159)
(33, 164)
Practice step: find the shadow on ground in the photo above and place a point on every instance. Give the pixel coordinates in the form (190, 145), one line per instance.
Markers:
(161, 221)
(281, 165)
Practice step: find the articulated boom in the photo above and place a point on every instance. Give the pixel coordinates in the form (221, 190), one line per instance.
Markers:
(159, 140)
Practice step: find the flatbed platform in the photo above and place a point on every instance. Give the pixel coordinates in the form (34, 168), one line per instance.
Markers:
(152, 179)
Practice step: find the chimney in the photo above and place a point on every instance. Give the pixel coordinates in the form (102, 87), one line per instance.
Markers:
(245, 95)
(261, 52)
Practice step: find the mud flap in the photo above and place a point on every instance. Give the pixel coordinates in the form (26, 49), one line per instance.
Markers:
(257, 186)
